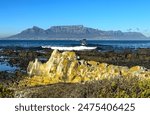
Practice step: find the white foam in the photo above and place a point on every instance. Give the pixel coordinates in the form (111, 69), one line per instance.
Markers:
(76, 48)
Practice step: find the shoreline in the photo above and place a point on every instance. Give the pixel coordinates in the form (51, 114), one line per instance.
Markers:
(21, 58)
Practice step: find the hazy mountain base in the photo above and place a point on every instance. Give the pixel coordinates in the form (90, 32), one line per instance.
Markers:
(73, 32)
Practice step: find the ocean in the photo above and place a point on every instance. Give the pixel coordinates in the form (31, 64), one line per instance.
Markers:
(100, 44)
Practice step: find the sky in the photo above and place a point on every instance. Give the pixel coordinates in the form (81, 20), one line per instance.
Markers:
(124, 15)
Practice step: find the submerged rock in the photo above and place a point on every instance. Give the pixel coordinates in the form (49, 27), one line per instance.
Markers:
(65, 67)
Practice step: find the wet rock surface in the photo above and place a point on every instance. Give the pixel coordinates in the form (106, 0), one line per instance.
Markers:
(22, 57)
(113, 88)
(128, 58)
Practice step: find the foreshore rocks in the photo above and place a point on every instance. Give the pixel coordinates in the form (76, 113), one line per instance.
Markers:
(113, 73)
(66, 67)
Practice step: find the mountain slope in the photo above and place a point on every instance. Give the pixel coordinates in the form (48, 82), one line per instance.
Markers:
(75, 31)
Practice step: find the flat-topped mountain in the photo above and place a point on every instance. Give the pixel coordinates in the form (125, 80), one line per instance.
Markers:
(73, 32)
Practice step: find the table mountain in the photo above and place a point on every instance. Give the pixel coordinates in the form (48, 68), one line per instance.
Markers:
(73, 32)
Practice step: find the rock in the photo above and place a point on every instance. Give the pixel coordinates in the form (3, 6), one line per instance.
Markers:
(65, 67)
(5, 92)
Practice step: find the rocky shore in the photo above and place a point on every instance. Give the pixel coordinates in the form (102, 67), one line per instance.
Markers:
(118, 86)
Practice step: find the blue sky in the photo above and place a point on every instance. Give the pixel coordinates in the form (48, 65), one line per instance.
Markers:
(125, 15)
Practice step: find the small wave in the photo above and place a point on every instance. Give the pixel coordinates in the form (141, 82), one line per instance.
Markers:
(76, 48)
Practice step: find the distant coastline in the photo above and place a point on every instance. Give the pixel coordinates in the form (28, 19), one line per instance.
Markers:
(74, 32)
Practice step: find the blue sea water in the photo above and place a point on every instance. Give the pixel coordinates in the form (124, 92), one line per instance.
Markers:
(4, 66)
(60, 43)
(102, 45)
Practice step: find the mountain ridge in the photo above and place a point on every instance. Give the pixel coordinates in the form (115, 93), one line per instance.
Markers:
(73, 32)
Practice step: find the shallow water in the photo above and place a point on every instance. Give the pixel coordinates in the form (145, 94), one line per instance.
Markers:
(7, 67)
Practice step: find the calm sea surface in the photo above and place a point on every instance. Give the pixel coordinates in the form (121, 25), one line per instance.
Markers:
(61, 43)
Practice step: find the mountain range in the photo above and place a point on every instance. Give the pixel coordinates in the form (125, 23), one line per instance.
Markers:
(73, 32)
